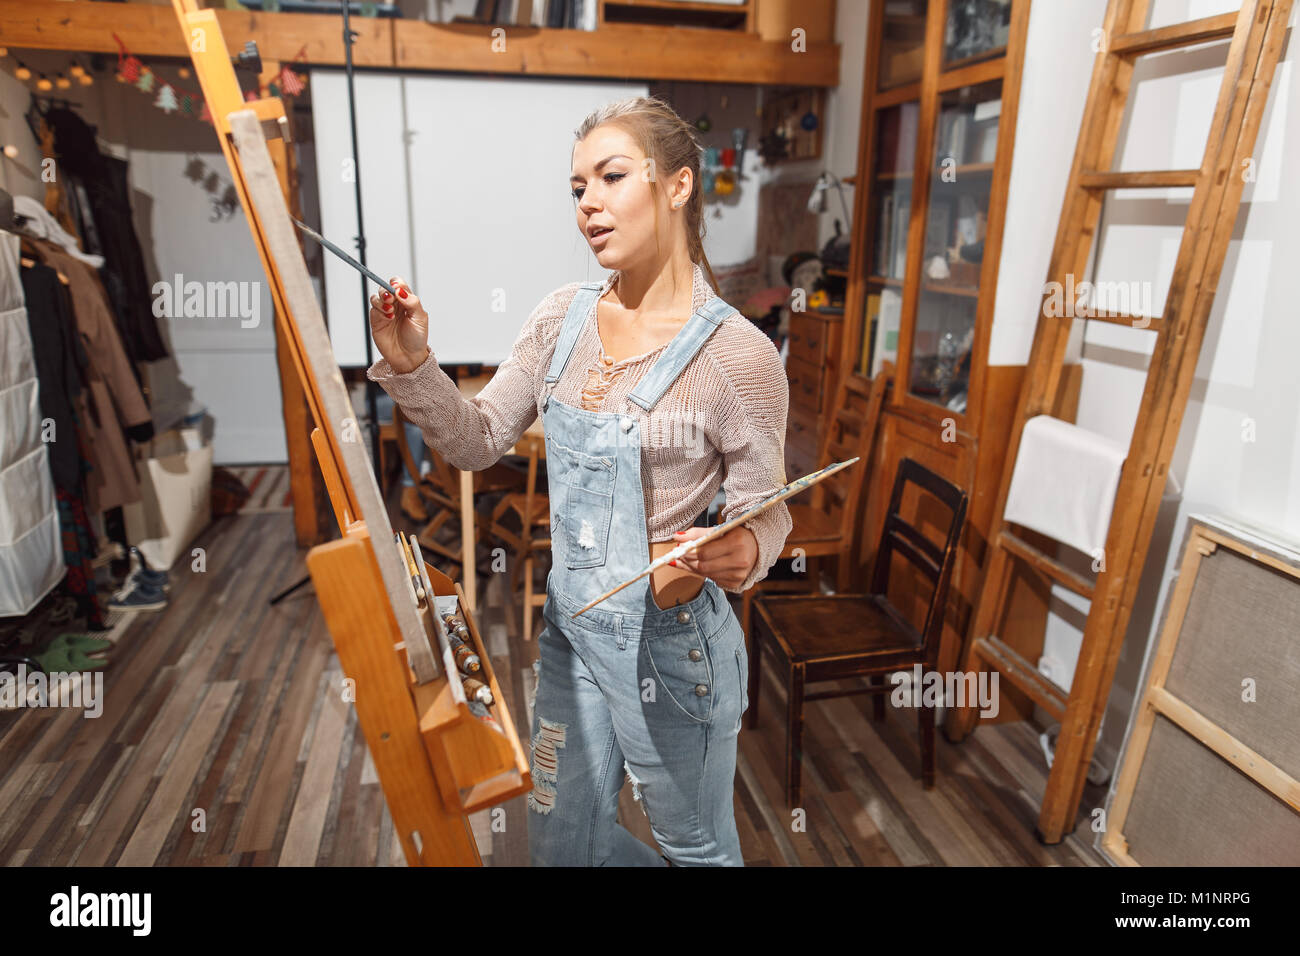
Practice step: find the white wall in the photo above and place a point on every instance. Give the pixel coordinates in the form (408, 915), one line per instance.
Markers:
(1058, 65)
(1238, 450)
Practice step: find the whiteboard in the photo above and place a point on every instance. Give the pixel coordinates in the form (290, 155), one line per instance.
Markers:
(465, 194)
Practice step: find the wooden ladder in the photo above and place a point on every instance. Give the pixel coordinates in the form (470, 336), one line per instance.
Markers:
(1257, 31)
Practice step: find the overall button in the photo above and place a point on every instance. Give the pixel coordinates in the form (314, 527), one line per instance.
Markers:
(627, 423)
(683, 617)
(701, 690)
(695, 655)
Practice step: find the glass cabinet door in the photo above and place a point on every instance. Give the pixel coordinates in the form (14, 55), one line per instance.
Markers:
(975, 30)
(966, 130)
(902, 42)
(891, 204)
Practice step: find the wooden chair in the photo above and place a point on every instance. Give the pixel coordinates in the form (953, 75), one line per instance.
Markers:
(387, 436)
(440, 491)
(824, 523)
(532, 508)
(829, 637)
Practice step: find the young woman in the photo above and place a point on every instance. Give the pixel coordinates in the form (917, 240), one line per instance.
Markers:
(653, 393)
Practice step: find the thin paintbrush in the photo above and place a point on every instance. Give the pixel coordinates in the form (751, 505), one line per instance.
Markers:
(344, 256)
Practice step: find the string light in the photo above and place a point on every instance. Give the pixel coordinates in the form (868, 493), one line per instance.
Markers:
(44, 84)
(22, 72)
(62, 82)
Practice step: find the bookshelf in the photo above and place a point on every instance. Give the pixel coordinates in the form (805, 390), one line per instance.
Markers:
(936, 142)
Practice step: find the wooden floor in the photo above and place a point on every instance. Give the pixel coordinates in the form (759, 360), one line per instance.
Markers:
(224, 742)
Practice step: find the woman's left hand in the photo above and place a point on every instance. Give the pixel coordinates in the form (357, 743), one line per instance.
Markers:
(727, 559)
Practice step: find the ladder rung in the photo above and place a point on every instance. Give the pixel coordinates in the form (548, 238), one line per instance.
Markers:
(1172, 37)
(855, 383)
(1049, 566)
(1140, 179)
(1023, 675)
(850, 418)
(1151, 323)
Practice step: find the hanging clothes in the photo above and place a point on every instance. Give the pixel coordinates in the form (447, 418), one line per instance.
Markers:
(109, 230)
(61, 367)
(113, 401)
(38, 221)
(61, 364)
(31, 561)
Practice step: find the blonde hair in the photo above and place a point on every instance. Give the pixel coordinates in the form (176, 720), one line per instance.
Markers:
(670, 143)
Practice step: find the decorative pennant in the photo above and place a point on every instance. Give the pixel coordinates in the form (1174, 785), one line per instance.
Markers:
(166, 99)
(290, 81)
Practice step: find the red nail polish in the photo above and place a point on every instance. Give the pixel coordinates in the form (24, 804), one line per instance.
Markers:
(402, 293)
(673, 562)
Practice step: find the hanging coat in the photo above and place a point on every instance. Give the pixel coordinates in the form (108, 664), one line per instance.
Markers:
(115, 402)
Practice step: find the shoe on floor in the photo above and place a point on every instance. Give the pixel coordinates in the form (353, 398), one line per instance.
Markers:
(141, 571)
(138, 596)
(412, 506)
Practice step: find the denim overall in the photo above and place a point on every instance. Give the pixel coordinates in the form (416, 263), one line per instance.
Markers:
(627, 685)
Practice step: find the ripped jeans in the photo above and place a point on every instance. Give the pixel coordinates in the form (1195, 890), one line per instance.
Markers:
(656, 696)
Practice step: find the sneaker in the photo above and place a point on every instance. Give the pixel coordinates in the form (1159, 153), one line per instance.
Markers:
(140, 571)
(138, 596)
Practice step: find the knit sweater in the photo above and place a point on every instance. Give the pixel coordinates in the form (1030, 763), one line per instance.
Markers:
(720, 423)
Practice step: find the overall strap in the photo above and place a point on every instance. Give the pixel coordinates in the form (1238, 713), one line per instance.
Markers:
(574, 320)
(679, 352)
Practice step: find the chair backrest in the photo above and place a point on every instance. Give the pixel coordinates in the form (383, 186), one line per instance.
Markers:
(444, 479)
(931, 560)
(850, 432)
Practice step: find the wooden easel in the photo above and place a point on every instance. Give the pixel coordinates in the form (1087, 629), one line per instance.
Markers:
(1257, 31)
(436, 761)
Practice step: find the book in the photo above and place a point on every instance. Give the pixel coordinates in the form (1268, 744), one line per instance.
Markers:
(908, 115)
(869, 333)
(886, 345)
(900, 245)
(884, 251)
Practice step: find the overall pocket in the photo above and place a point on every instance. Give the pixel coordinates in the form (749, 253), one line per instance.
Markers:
(681, 665)
(588, 505)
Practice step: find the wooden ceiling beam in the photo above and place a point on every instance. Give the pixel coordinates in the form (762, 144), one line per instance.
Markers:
(615, 51)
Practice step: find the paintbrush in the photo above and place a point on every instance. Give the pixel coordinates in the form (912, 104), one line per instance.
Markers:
(780, 494)
(344, 256)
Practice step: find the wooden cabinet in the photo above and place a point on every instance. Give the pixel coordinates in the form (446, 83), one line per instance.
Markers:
(936, 142)
(811, 367)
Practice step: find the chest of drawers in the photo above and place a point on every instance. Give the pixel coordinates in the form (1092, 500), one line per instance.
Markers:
(812, 365)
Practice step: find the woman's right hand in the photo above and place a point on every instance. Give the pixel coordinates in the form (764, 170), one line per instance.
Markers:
(400, 327)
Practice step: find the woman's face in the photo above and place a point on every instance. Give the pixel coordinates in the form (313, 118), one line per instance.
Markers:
(613, 191)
